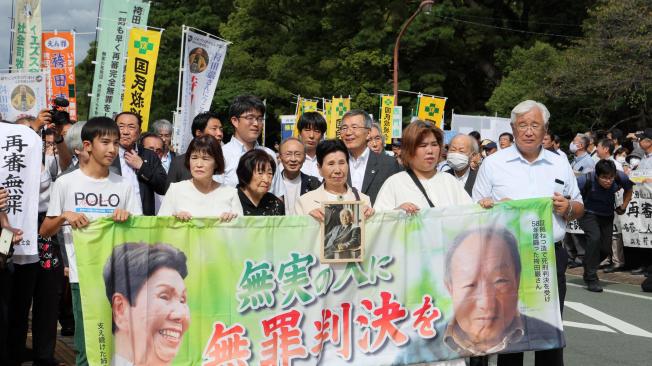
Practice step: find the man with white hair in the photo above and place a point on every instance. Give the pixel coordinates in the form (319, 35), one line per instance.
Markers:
(163, 128)
(460, 151)
(527, 170)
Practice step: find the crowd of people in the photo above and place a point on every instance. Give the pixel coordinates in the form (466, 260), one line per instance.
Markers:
(140, 174)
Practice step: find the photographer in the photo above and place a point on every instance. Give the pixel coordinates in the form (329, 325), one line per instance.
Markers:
(43, 122)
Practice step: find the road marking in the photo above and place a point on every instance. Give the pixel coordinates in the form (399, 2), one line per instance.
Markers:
(603, 328)
(616, 292)
(608, 319)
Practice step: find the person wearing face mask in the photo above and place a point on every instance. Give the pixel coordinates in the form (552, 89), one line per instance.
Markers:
(582, 163)
(460, 150)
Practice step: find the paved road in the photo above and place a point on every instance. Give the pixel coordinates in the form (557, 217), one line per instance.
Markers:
(609, 328)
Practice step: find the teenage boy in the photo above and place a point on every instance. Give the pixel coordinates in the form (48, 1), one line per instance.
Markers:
(86, 194)
(312, 127)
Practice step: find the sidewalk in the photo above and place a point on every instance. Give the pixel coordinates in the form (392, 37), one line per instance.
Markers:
(620, 277)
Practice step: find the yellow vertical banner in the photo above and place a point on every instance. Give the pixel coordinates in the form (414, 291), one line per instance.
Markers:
(303, 106)
(142, 53)
(386, 116)
(431, 109)
(339, 107)
(330, 122)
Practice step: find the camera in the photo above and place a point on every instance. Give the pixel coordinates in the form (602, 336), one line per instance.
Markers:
(60, 116)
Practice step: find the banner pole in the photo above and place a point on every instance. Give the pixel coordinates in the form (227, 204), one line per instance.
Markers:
(11, 34)
(183, 41)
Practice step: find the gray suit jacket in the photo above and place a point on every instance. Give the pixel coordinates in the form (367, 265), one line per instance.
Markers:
(379, 168)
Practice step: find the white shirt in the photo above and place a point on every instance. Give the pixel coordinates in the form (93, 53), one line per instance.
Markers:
(464, 177)
(357, 167)
(95, 198)
(184, 196)
(313, 199)
(166, 160)
(506, 174)
(128, 172)
(310, 167)
(292, 193)
(233, 151)
(646, 162)
(442, 189)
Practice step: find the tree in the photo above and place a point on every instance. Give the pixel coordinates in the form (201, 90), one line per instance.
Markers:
(608, 69)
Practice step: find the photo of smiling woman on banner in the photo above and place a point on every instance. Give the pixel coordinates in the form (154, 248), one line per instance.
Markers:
(145, 286)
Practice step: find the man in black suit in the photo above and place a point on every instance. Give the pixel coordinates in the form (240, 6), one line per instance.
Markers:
(293, 155)
(343, 241)
(205, 123)
(139, 166)
(367, 170)
(460, 151)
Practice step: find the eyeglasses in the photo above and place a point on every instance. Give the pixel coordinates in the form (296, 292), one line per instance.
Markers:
(353, 129)
(290, 155)
(252, 119)
(376, 138)
(607, 179)
(524, 126)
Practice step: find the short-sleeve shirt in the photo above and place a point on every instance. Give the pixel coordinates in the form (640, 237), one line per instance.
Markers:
(583, 164)
(598, 200)
(184, 196)
(95, 198)
(442, 189)
(507, 174)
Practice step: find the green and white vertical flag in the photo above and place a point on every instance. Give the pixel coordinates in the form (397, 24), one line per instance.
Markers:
(116, 17)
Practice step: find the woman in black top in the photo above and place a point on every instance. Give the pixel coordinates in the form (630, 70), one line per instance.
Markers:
(255, 172)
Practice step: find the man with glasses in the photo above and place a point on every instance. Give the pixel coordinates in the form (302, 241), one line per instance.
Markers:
(247, 116)
(376, 139)
(367, 170)
(527, 170)
(599, 194)
(297, 183)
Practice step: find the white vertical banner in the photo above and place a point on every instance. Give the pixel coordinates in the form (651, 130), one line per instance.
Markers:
(203, 57)
(20, 170)
(26, 50)
(22, 94)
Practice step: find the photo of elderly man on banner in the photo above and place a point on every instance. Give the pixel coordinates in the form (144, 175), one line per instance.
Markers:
(443, 284)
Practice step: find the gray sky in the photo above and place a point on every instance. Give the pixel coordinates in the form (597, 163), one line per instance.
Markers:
(80, 15)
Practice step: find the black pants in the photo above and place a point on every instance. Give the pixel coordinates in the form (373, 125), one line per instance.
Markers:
(551, 357)
(598, 231)
(5, 300)
(33, 283)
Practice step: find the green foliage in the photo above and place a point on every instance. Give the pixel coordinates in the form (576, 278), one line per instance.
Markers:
(323, 48)
(528, 71)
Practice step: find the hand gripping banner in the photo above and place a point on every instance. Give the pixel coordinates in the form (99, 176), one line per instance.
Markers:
(445, 284)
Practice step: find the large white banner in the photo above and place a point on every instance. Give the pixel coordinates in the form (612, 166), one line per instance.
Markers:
(22, 94)
(20, 169)
(203, 57)
(489, 127)
(636, 223)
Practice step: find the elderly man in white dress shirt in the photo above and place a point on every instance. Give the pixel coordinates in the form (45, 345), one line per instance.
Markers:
(247, 116)
(527, 170)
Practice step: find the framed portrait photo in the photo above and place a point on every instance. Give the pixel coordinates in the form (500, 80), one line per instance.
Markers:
(342, 232)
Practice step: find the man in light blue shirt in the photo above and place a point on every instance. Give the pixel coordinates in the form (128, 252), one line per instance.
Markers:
(583, 163)
(527, 170)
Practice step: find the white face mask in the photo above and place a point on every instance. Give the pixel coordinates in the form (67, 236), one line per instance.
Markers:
(457, 161)
(572, 148)
(620, 159)
(633, 162)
